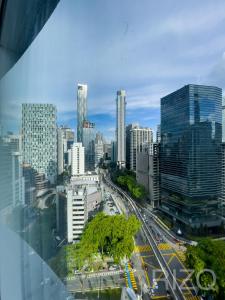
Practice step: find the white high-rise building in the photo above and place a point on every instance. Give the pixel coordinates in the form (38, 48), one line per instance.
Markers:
(81, 110)
(77, 162)
(138, 138)
(39, 138)
(120, 128)
(76, 212)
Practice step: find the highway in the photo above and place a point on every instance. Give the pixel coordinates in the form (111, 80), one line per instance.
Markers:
(172, 281)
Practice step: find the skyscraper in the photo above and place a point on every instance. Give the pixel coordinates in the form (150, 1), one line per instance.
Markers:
(11, 177)
(65, 141)
(147, 171)
(128, 141)
(81, 110)
(77, 159)
(89, 145)
(99, 148)
(223, 160)
(139, 137)
(39, 138)
(158, 134)
(120, 128)
(190, 154)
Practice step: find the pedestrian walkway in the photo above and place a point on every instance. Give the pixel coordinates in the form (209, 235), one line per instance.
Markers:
(164, 246)
(130, 278)
(142, 248)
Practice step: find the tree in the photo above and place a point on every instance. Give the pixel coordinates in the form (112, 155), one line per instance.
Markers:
(209, 254)
(109, 235)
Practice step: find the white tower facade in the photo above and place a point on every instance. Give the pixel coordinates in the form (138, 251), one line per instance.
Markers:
(120, 128)
(76, 212)
(81, 110)
(139, 137)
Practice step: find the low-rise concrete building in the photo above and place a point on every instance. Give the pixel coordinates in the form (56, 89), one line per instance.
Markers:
(76, 211)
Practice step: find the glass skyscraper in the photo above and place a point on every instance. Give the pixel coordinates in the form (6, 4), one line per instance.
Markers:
(190, 155)
(39, 138)
(89, 135)
(81, 110)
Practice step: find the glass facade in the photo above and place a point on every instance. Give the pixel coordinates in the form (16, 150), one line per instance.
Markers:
(39, 138)
(89, 134)
(191, 135)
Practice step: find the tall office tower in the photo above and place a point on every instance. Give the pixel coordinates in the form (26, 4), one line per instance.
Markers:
(128, 141)
(60, 151)
(120, 128)
(29, 179)
(89, 135)
(99, 148)
(81, 110)
(77, 161)
(107, 151)
(190, 155)
(113, 151)
(11, 177)
(39, 138)
(158, 134)
(65, 139)
(139, 137)
(223, 160)
(147, 172)
(76, 212)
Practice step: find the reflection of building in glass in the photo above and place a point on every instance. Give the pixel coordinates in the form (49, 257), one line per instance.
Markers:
(120, 128)
(39, 138)
(81, 110)
(89, 145)
(190, 154)
(20, 22)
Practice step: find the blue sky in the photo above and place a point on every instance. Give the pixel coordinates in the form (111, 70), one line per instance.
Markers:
(149, 48)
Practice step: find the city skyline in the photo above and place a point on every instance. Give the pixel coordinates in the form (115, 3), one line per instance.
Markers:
(112, 149)
(196, 55)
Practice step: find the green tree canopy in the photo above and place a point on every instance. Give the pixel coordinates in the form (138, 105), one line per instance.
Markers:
(109, 235)
(209, 254)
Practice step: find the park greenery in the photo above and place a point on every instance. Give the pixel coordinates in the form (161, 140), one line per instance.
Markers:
(208, 254)
(127, 181)
(104, 236)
